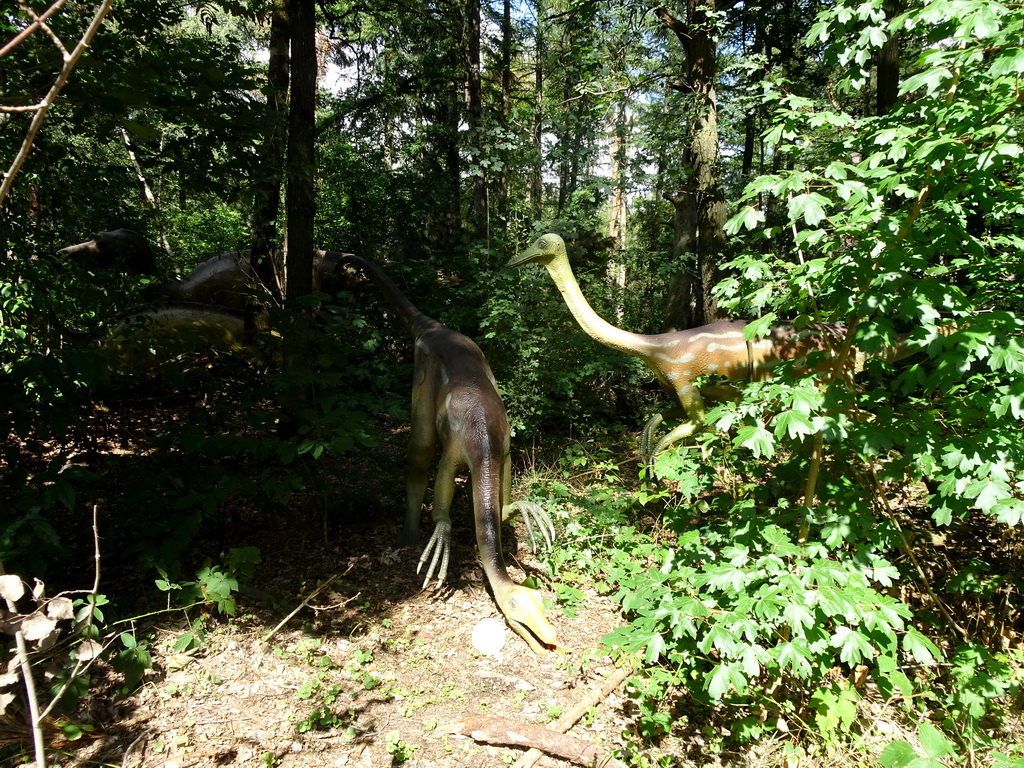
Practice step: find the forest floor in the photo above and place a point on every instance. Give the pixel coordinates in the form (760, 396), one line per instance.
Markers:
(377, 672)
(336, 655)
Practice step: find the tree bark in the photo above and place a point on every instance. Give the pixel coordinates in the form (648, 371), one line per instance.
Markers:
(266, 216)
(500, 184)
(474, 117)
(704, 159)
(300, 200)
(536, 191)
(301, 164)
(616, 270)
(888, 73)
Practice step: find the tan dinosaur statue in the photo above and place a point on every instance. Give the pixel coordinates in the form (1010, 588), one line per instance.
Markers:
(455, 402)
(677, 358)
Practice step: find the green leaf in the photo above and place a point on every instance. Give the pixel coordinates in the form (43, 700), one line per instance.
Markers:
(1009, 61)
(931, 80)
(923, 650)
(748, 218)
(757, 439)
(793, 424)
(717, 682)
(934, 743)
(898, 754)
(987, 493)
(655, 648)
(798, 618)
(811, 206)
(797, 658)
(853, 646)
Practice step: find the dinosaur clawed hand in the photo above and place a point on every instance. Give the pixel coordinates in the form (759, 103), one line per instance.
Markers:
(438, 549)
(533, 515)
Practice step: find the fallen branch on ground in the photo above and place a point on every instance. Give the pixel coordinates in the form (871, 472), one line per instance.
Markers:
(553, 740)
(498, 730)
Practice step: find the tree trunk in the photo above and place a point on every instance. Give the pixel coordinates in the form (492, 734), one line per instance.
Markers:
(704, 160)
(888, 74)
(500, 184)
(683, 282)
(300, 202)
(266, 235)
(616, 271)
(474, 118)
(536, 191)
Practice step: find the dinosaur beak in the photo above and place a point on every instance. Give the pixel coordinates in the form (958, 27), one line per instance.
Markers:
(525, 257)
(540, 636)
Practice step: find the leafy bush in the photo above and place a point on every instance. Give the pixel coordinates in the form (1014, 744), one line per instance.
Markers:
(779, 581)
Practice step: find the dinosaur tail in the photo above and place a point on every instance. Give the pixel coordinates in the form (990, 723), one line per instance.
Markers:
(414, 320)
(901, 349)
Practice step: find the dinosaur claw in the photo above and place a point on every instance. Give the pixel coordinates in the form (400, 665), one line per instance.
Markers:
(438, 549)
(533, 514)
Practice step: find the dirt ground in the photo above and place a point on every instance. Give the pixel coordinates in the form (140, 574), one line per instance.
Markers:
(373, 673)
(337, 656)
(372, 670)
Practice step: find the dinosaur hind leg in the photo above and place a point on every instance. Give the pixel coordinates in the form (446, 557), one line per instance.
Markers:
(422, 446)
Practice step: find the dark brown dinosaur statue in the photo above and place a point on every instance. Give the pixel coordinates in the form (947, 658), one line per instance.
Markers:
(223, 281)
(455, 404)
(679, 357)
(124, 249)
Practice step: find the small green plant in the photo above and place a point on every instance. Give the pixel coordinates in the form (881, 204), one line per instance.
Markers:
(133, 660)
(323, 717)
(214, 584)
(900, 754)
(192, 638)
(398, 749)
(835, 711)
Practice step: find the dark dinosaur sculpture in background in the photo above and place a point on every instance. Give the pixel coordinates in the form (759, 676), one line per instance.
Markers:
(223, 281)
(146, 341)
(721, 348)
(124, 249)
(455, 403)
(227, 279)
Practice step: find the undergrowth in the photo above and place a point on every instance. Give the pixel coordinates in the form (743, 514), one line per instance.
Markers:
(828, 645)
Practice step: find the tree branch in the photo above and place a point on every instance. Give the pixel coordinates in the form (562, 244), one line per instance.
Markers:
(37, 22)
(70, 60)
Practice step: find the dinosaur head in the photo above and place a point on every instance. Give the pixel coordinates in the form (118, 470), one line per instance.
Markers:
(524, 611)
(545, 250)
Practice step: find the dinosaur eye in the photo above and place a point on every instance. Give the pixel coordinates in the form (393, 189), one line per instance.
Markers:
(542, 243)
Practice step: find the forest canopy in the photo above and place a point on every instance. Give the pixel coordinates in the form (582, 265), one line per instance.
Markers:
(842, 534)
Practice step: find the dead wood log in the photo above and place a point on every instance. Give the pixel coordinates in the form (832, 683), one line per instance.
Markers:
(498, 730)
(569, 718)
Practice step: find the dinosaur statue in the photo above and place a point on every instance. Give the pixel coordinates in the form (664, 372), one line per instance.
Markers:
(455, 402)
(122, 248)
(148, 340)
(226, 279)
(677, 358)
(223, 280)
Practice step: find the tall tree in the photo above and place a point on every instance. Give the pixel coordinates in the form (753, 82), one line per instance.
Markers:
(266, 214)
(300, 201)
(474, 120)
(691, 302)
(535, 191)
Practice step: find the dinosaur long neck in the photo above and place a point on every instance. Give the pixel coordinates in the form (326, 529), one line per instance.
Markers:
(596, 327)
(487, 510)
(414, 320)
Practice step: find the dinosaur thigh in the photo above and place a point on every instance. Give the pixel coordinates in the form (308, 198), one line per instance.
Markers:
(422, 444)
